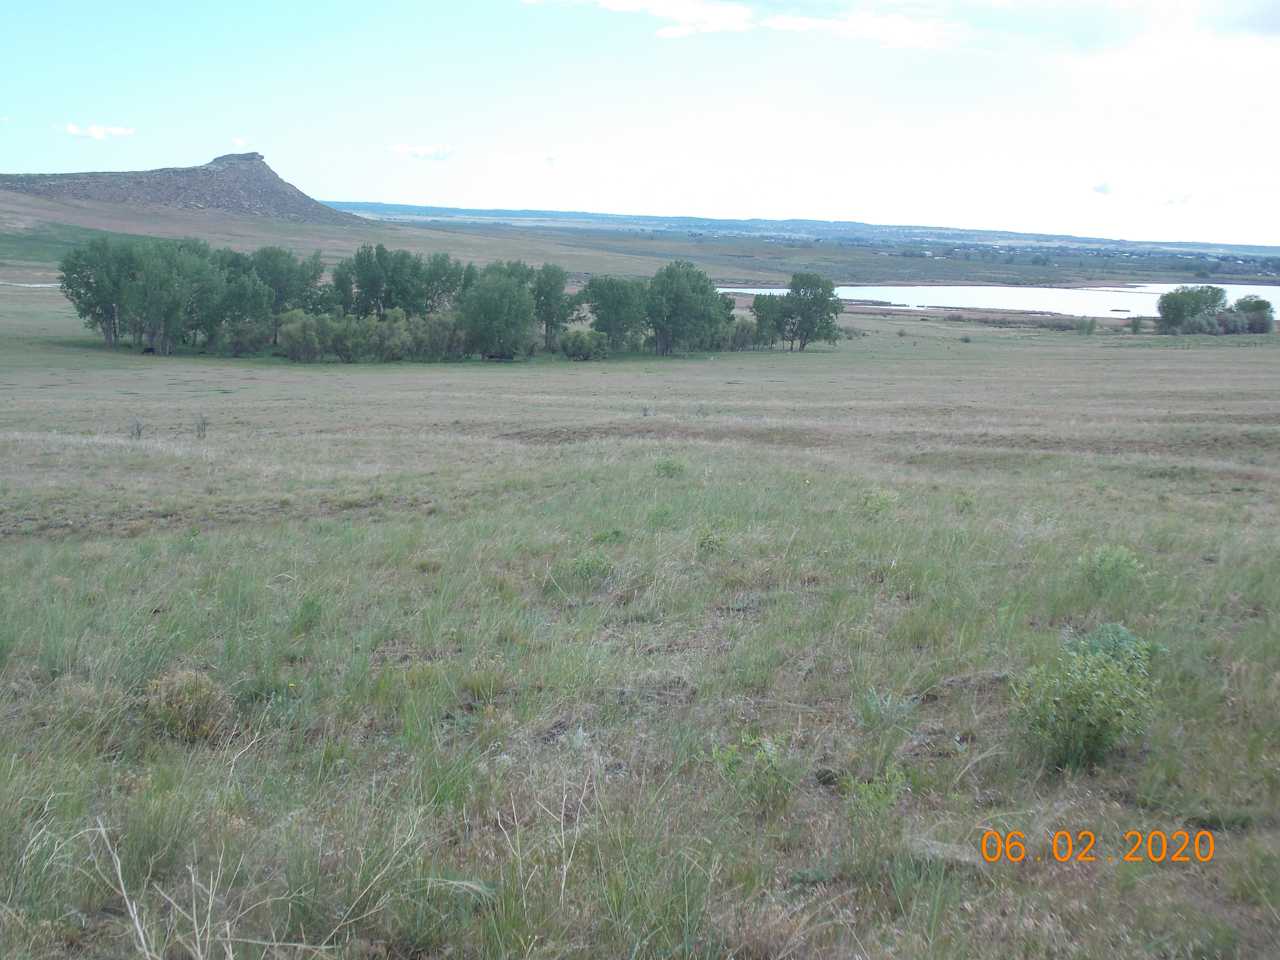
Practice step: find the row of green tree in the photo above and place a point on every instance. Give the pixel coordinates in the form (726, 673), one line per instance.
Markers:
(163, 294)
(1189, 310)
(387, 305)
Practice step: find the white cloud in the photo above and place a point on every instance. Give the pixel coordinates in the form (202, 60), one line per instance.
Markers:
(95, 131)
(688, 17)
(935, 24)
(876, 24)
(429, 152)
(892, 30)
(240, 142)
(685, 17)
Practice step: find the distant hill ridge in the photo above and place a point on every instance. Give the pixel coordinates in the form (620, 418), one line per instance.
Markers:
(239, 183)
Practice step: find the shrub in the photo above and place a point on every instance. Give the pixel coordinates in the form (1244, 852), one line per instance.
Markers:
(966, 339)
(1087, 326)
(389, 339)
(1135, 324)
(300, 338)
(1232, 322)
(1261, 317)
(188, 705)
(1110, 568)
(1078, 709)
(584, 345)
(669, 468)
(1114, 640)
(1203, 323)
(244, 335)
(875, 501)
(708, 540)
(435, 337)
(351, 338)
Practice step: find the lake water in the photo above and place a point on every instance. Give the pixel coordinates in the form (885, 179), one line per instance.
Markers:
(1138, 300)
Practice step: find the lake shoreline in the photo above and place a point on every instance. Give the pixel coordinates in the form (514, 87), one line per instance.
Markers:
(1109, 302)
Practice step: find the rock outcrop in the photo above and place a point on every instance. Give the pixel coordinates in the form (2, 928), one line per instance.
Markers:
(238, 183)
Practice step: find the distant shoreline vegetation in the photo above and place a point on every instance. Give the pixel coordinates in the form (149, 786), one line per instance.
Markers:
(385, 305)
(1204, 310)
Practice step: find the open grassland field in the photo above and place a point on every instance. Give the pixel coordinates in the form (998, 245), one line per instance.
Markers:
(35, 232)
(715, 656)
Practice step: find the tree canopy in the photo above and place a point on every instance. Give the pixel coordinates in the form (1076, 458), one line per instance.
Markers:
(810, 312)
(1188, 310)
(617, 306)
(551, 307)
(497, 312)
(684, 309)
(388, 305)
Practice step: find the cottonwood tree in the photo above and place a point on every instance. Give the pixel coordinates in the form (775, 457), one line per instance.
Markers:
(617, 308)
(768, 309)
(442, 282)
(810, 311)
(343, 281)
(497, 313)
(290, 280)
(551, 307)
(94, 278)
(1190, 310)
(684, 309)
(376, 280)
(369, 269)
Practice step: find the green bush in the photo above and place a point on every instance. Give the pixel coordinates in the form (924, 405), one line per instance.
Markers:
(389, 339)
(1203, 323)
(585, 345)
(1078, 709)
(244, 335)
(435, 337)
(1115, 640)
(670, 468)
(1261, 317)
(1087, 327)
(1232, 322)
(351, 338)
(1110, 569)
(300, 337)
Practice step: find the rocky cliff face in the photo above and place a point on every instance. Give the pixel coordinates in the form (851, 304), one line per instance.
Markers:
(240, 183)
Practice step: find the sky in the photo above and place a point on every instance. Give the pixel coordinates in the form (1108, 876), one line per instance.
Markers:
(1133, 119)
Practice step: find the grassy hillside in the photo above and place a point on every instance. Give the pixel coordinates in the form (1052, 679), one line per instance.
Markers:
(704, 657)
(35, 231)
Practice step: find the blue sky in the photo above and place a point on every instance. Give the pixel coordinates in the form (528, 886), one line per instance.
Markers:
(1143, 119)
